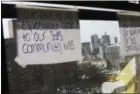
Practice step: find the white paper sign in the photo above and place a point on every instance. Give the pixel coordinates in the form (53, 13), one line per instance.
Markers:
(48, 41)
(130, 35)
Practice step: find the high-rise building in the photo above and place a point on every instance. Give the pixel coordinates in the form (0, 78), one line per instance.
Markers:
(86, 48)
(105, 40)
(115, 40)
(112, 54)
(100, 54)
(95, 44)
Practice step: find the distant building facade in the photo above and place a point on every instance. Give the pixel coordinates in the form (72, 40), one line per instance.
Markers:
(112, 54)
(115, 40)
(105, 40)
(100, 54)
(86, 48)
(95, 44)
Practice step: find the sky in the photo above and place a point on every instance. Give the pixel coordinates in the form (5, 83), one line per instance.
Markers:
(87, 28)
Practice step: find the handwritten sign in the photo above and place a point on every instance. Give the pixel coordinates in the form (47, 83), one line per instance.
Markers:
(48, 41)
(130, 35)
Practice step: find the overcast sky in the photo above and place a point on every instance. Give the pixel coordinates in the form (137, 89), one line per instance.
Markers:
(87, 28)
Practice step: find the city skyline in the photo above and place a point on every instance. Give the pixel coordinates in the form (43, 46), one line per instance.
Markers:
(99, 27)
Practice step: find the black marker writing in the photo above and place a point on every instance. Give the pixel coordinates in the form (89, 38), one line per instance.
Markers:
(132, 48)
(39, 37)
(26, 37)
(69, 45)
(41, 47)
(56, 35)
